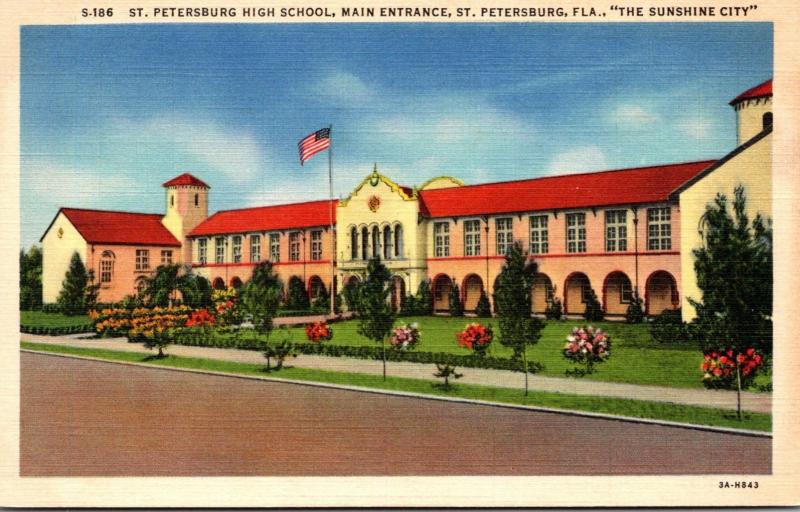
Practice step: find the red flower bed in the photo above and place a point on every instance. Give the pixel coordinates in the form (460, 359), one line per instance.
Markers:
(200, 318)
(475, 337)
(719, 367)
(319, 331)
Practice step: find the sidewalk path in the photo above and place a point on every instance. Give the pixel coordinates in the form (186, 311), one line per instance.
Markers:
(718, 399)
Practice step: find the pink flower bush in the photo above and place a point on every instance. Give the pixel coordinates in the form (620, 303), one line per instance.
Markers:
(588, 345)
(405, 337)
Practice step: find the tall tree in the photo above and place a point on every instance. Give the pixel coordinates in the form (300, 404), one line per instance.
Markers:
(376, 314)
(72, 297)
(456, 307)
(734, 274)
(297, 298)
(261, 295)
(30, 278)
(518, 328)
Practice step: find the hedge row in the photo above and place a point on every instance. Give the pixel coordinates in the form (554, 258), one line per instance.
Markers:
(56, 331)
(366, 352)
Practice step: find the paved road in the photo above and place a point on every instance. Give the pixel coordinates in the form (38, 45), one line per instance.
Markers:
(87, 418)
(719, 399)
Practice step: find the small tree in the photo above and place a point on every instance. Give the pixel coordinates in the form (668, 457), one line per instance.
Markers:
(734, 274)
(483, 309)
(593, 311)
(72, 298)
(376, 314)
(446, 372)
(456, 307)
(635, 312)
(161, 287)
(350, 293)
(424, 298)
(297, 298)
(195, 290)
(30, 279)
(260, 297)
(518, 328)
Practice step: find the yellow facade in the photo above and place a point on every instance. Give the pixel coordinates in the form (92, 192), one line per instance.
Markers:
(381, 203)
(750, 168)
(58, 244)
(750, 117)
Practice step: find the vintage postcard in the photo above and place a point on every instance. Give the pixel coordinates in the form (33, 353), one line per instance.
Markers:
(424, 254)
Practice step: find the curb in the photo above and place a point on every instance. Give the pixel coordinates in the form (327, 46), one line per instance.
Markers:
(408, 394)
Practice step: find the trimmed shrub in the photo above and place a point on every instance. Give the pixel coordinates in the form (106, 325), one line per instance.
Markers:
(668, 327)
(483, 309)
(635, 312)
(456, 307)
(593, 311)
(554, 310)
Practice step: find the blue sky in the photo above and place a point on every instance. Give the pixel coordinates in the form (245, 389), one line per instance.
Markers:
(108, 113)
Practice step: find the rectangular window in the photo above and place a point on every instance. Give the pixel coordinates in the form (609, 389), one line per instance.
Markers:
(316, 245)
(219, 248)
(142, 259)
(616, 230)
(472, 238)
(659, 230)
(539, 243)
(294, 246)
(576, 232)
(255, 248)
(202, 251)
(166, 257)
(441, 239)
(106, 266)
(275, 247)
(504, 235)
(237, 249)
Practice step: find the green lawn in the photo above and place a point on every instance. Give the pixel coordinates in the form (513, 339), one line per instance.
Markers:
(40, 319)
(635, 357)
(634, 408)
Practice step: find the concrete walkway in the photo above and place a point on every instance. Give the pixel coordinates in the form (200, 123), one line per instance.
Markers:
(756, 402)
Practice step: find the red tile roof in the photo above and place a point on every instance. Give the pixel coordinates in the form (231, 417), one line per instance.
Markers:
(619, 187)
(123, 228)
(762, 89)
(185, 179)
(267, 218)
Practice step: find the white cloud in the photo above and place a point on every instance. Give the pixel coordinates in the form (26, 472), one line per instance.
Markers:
(344, 89)
(697, 128)
(233, 152)
(581, 159)
(633, 116)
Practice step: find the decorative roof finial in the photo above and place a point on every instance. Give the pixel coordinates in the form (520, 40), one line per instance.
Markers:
(375, 168)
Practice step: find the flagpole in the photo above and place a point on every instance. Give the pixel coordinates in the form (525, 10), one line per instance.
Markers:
(332, 294)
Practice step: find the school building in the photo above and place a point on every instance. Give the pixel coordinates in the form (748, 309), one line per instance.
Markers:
(613, 231)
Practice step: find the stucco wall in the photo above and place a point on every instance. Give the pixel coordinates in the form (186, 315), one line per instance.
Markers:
(56, 254)
(752, 168)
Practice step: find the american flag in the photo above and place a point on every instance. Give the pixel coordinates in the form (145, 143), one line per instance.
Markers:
(318, 141)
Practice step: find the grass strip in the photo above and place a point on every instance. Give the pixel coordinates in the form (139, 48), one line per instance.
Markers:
(606, 405)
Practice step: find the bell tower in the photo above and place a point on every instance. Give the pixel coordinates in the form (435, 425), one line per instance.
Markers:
(187, 206)
(753, 111)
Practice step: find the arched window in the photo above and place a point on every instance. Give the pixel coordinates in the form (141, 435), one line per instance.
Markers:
(106, 267)
(398, 241)
(376, 242)
(353, 243)
(387, 243)
(766, 120)
(364, 243)
(172, 199)
(196, 199)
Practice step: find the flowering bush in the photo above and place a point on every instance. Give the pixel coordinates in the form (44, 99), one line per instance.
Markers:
(587, 345)
(151, 323)
(319, 331)
(200, 318)
(476, 337)
(226, 307)
(111, 321)
(405, 337)
(719, 368)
